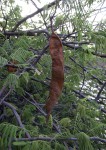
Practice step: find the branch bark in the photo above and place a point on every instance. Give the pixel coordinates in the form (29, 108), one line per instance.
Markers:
(33, 14)
(98, 139)
(8, 93)
(27, 32)
(100, 91)
(99, 55)
(35, 61)
(2, 90)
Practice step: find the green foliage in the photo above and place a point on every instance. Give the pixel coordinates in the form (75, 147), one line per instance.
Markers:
(59, 20)
(35, 145)
(33, 130)
(12, 81)
(65, 122)
(59, 146)
(98, 129)
(23, 41)
(20, 144)
(100, 40)
(50, 121)
(82, 110)
(25, 76)
(9, 131)
(84, 142)
(21, 55)
(3, 62)
(28, 113)
(77, 114)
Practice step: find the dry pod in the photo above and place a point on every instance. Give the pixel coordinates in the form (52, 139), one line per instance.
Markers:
(57, 79)
(12, 67)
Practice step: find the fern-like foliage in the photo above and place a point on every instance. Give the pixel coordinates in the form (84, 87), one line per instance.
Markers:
(98, 130)
(59, 146)
(8, 132)
(21, 55)
(36, 145)
(84, 142)
(12, 81)
(3, 61)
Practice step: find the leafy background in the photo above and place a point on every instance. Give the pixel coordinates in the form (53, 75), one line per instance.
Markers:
(79, 120)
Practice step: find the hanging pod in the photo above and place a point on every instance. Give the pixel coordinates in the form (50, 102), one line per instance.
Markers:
(57, 78)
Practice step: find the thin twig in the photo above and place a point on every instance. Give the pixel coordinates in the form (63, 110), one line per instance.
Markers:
(3, 90)
(100, 91)
(98, 139)
(41, 110)
(9, 92)
(35, 61)
(17, 117)
(40, 13)
(26, 32)
(85, 69)
(81, 95)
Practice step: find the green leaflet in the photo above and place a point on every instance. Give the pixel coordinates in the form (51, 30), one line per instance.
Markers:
(84, 142)
(35, 145)
(8, 131)
(81, 109)
(25, 75)
(98, 129)
(65, 122)
(59, 146)
(13, 133)
(28, 112)
(3, 61)
(21, 55)
(27, 147)
(19, 143)
(4, 136)
(12, 81)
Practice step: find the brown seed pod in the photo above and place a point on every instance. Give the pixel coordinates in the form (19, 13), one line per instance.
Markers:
(57, 79)
(12, 68)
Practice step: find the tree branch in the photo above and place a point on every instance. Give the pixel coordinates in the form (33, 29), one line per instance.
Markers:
(100, 91)
(41, 110)
(16, 116)
(77, 45)
(81, 95)
(45, 23)
(33, 102)
(1, 100)
(2, 90)
(33, 14)
(99, 55)
(27, 32)
(58, 139)
(35, 61)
